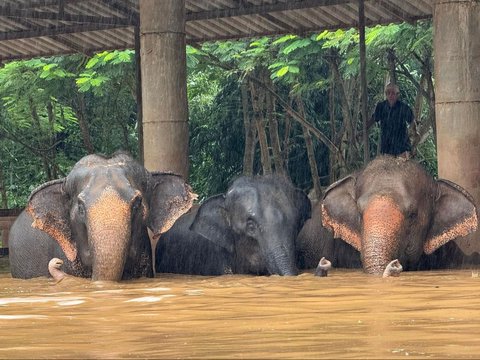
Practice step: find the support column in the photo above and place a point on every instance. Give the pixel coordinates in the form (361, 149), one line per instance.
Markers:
(457, 97)
(164, 93)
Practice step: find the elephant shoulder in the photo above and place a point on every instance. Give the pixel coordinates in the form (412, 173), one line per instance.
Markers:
(184, 251)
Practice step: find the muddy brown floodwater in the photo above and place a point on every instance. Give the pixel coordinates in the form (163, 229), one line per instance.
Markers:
(345, 315)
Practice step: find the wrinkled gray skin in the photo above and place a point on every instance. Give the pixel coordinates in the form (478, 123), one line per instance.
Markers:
(95, 220)
(250, 229)
(393, 209)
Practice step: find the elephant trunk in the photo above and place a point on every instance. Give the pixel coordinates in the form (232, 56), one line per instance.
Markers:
(109, 254)
(382, 221)
(282, 262)
(109, 236)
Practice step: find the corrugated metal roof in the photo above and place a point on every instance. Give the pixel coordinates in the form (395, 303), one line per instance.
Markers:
(30, 28)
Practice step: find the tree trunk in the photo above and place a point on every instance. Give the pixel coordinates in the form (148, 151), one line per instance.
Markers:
(332, 156)
(80, 111)
(52, 140)
(348, 137)
(273, 130)
(363, 79)
(286, 136)
(249, 151)
(3, 189)
(258, 99)
(310, 153)
(391, 66)
(37, 125)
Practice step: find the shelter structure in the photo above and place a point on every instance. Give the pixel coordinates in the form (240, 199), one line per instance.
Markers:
(159, 30)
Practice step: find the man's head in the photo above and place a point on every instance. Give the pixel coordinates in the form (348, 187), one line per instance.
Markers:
(391, 93)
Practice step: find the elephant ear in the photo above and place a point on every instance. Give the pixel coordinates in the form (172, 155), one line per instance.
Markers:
(304, 207)
(340, 213)
(48, 206)
(455, 215)
(212, 223)
(171, 197)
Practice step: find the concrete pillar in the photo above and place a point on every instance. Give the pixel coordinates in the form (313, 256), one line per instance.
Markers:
(164, 94)
(457, 97)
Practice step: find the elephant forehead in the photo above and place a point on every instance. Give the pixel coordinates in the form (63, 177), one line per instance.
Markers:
(101, 176)
(382, 215)
(109, 209)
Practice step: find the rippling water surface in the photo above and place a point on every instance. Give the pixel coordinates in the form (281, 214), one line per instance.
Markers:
(346, 315)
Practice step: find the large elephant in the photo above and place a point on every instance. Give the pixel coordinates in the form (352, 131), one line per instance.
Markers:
(250, 229)
(393, 209)
(95, 220)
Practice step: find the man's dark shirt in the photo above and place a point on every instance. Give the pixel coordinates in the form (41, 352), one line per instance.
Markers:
(393, 125)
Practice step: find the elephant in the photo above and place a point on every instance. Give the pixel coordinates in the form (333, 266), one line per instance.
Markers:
(393, 209)
(315, 241)
(95, 220)
(250, 229)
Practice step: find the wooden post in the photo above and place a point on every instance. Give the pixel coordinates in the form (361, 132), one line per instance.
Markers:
(138, 88)
(457, 97)
(363, 78)
(164, 93)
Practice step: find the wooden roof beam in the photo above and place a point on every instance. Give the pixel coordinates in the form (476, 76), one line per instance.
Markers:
(119, 5)
(395, 11)
(8, 11)
(43, 3)
(262, 9)
(57, 38)
(57, 30)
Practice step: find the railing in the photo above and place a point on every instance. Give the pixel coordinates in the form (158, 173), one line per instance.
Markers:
(7, 217)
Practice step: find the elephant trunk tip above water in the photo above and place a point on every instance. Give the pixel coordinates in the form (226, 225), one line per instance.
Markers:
(393, 209)
(95, 220)
(323, 267)
(54, 268)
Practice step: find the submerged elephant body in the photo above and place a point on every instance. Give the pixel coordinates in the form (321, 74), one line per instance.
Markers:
(393, 209)
(250, 229)
(315, 241)
(95, 220)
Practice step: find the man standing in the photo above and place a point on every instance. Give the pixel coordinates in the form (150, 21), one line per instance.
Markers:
(393, 115)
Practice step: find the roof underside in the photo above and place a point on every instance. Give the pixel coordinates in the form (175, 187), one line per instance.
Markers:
(30, 28)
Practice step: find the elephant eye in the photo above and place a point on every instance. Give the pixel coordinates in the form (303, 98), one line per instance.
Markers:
(251, 225)
(137, 202)
(412, 215)
(81, 208)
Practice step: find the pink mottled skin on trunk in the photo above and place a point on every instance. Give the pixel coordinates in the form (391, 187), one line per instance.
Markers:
(109, 226)
(382, 222)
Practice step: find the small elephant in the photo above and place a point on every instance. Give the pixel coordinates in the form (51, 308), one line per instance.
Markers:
(250, 229)
(393, 209)
(95, 220)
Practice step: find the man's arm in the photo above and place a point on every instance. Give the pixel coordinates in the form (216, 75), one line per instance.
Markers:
(373, 118)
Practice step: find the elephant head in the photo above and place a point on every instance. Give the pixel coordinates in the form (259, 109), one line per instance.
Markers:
(257, 221)
(99, 214)
(393, 209)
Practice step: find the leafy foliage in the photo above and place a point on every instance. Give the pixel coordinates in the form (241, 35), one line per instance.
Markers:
(50, 108)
